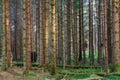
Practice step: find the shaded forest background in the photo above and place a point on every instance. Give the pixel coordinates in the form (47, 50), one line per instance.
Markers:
(60, 33)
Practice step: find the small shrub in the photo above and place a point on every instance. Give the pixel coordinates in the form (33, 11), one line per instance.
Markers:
(50, 68)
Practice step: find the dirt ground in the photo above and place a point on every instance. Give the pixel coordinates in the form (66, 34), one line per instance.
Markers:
(16, 74)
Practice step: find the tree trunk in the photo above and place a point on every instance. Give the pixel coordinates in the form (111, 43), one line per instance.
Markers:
(80, 30)
(91, 50)
(106, 37)
(24, 44)
(68, 32)
(46, 31)
(38, 29)
(75, 47)
(116, 55)
(4, 55)
(99, 35)
(8, 34)
(60, 37)
(28, 20)
(54, 32)
(109, 25)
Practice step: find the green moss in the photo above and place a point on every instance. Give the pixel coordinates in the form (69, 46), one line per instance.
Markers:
(116, 68)
(50, 68)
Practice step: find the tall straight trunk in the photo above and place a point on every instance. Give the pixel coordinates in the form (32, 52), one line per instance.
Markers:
(106, 37)
(4, 55)
(46, 30)
(109, 25)
(54, 31)
(42, 33)
(75, 47)
(20, 21)
(60, 39)
(64, 36)
(58, 21)
(68, 32)
(28, 35)
(119, 23)
(24, 45)
(8, 33)
(80, 31)
(33, 23)
(16, 41)
(91, 50)
(116, 50)
(38, 29)
(15, 32)
(99, 34)
(43, 28)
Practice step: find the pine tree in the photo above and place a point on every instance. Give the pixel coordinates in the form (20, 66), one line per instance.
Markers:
(4, 55)
(116, 55)
(106, 37)
(54, 32)
(46, 31)
(28, 22)
(99, 34)
(24, 44)
(91, 49)
(8, 32)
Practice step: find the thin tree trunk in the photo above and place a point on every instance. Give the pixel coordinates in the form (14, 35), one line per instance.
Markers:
(41, 33)
(42, 28)
(28, 35)
(60, 39)
(68, 32)
(64, 36)
(75, 47)
(46, 31)
(91, 50)
(109, 25)
(4, 55)
(99, 34)
(24, 45)
(15, 32)
(54, 31)
(9, 53)
(80, 30)
(38, 29)
(106, 37)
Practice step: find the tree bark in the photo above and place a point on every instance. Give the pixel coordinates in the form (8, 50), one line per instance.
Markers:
(4, 55)
(28, 20)
(116, 55)
(106, 37)
(8, 33)
(46, 31)
(91, 48)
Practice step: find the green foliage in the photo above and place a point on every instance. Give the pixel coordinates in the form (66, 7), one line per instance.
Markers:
(18, 63)
(56, 77)
(79, 76)
(79, 71)
(116, 68)
(31, 74)
(50, 68)
(112, 77)
(25, 72)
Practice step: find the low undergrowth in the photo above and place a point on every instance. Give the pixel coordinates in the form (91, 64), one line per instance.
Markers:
(68, 74)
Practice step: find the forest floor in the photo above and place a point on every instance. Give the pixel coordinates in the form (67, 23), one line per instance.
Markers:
(15, 73)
